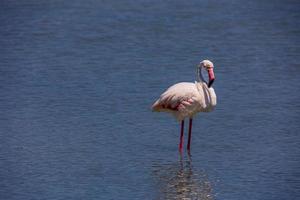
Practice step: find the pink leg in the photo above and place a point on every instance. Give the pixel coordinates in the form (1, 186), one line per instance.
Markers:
(190, 135)
(181, 136)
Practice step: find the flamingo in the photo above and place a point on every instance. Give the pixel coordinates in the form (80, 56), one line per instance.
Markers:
(185, 99)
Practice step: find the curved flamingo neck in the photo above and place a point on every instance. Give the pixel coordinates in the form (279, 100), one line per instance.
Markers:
(199, 75)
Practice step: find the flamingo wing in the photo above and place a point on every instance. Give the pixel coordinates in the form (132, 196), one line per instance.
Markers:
(180, 98)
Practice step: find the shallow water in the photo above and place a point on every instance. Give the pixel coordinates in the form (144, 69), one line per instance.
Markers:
(78, 79)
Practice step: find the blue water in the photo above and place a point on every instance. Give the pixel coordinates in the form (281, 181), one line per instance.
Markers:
(77, 80)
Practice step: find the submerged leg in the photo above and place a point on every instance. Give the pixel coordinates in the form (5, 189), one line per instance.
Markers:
(181, 136)
(190, 135)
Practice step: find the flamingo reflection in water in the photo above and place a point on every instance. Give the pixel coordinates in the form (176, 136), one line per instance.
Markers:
(179, 181)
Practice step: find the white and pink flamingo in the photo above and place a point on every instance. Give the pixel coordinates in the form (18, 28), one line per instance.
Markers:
(187, 99)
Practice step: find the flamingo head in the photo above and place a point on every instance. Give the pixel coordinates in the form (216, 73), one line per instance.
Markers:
(209, 66)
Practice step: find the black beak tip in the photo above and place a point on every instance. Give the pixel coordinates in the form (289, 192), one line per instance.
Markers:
(211, 82)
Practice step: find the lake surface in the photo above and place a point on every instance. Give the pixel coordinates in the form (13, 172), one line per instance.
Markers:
(78, 78)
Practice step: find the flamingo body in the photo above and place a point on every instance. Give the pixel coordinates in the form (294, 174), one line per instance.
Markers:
(186, 100)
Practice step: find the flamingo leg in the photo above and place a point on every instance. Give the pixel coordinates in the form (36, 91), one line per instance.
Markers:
(190, 135)
(181, 136)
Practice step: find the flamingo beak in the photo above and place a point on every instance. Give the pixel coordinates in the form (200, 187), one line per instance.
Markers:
(211, 77)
